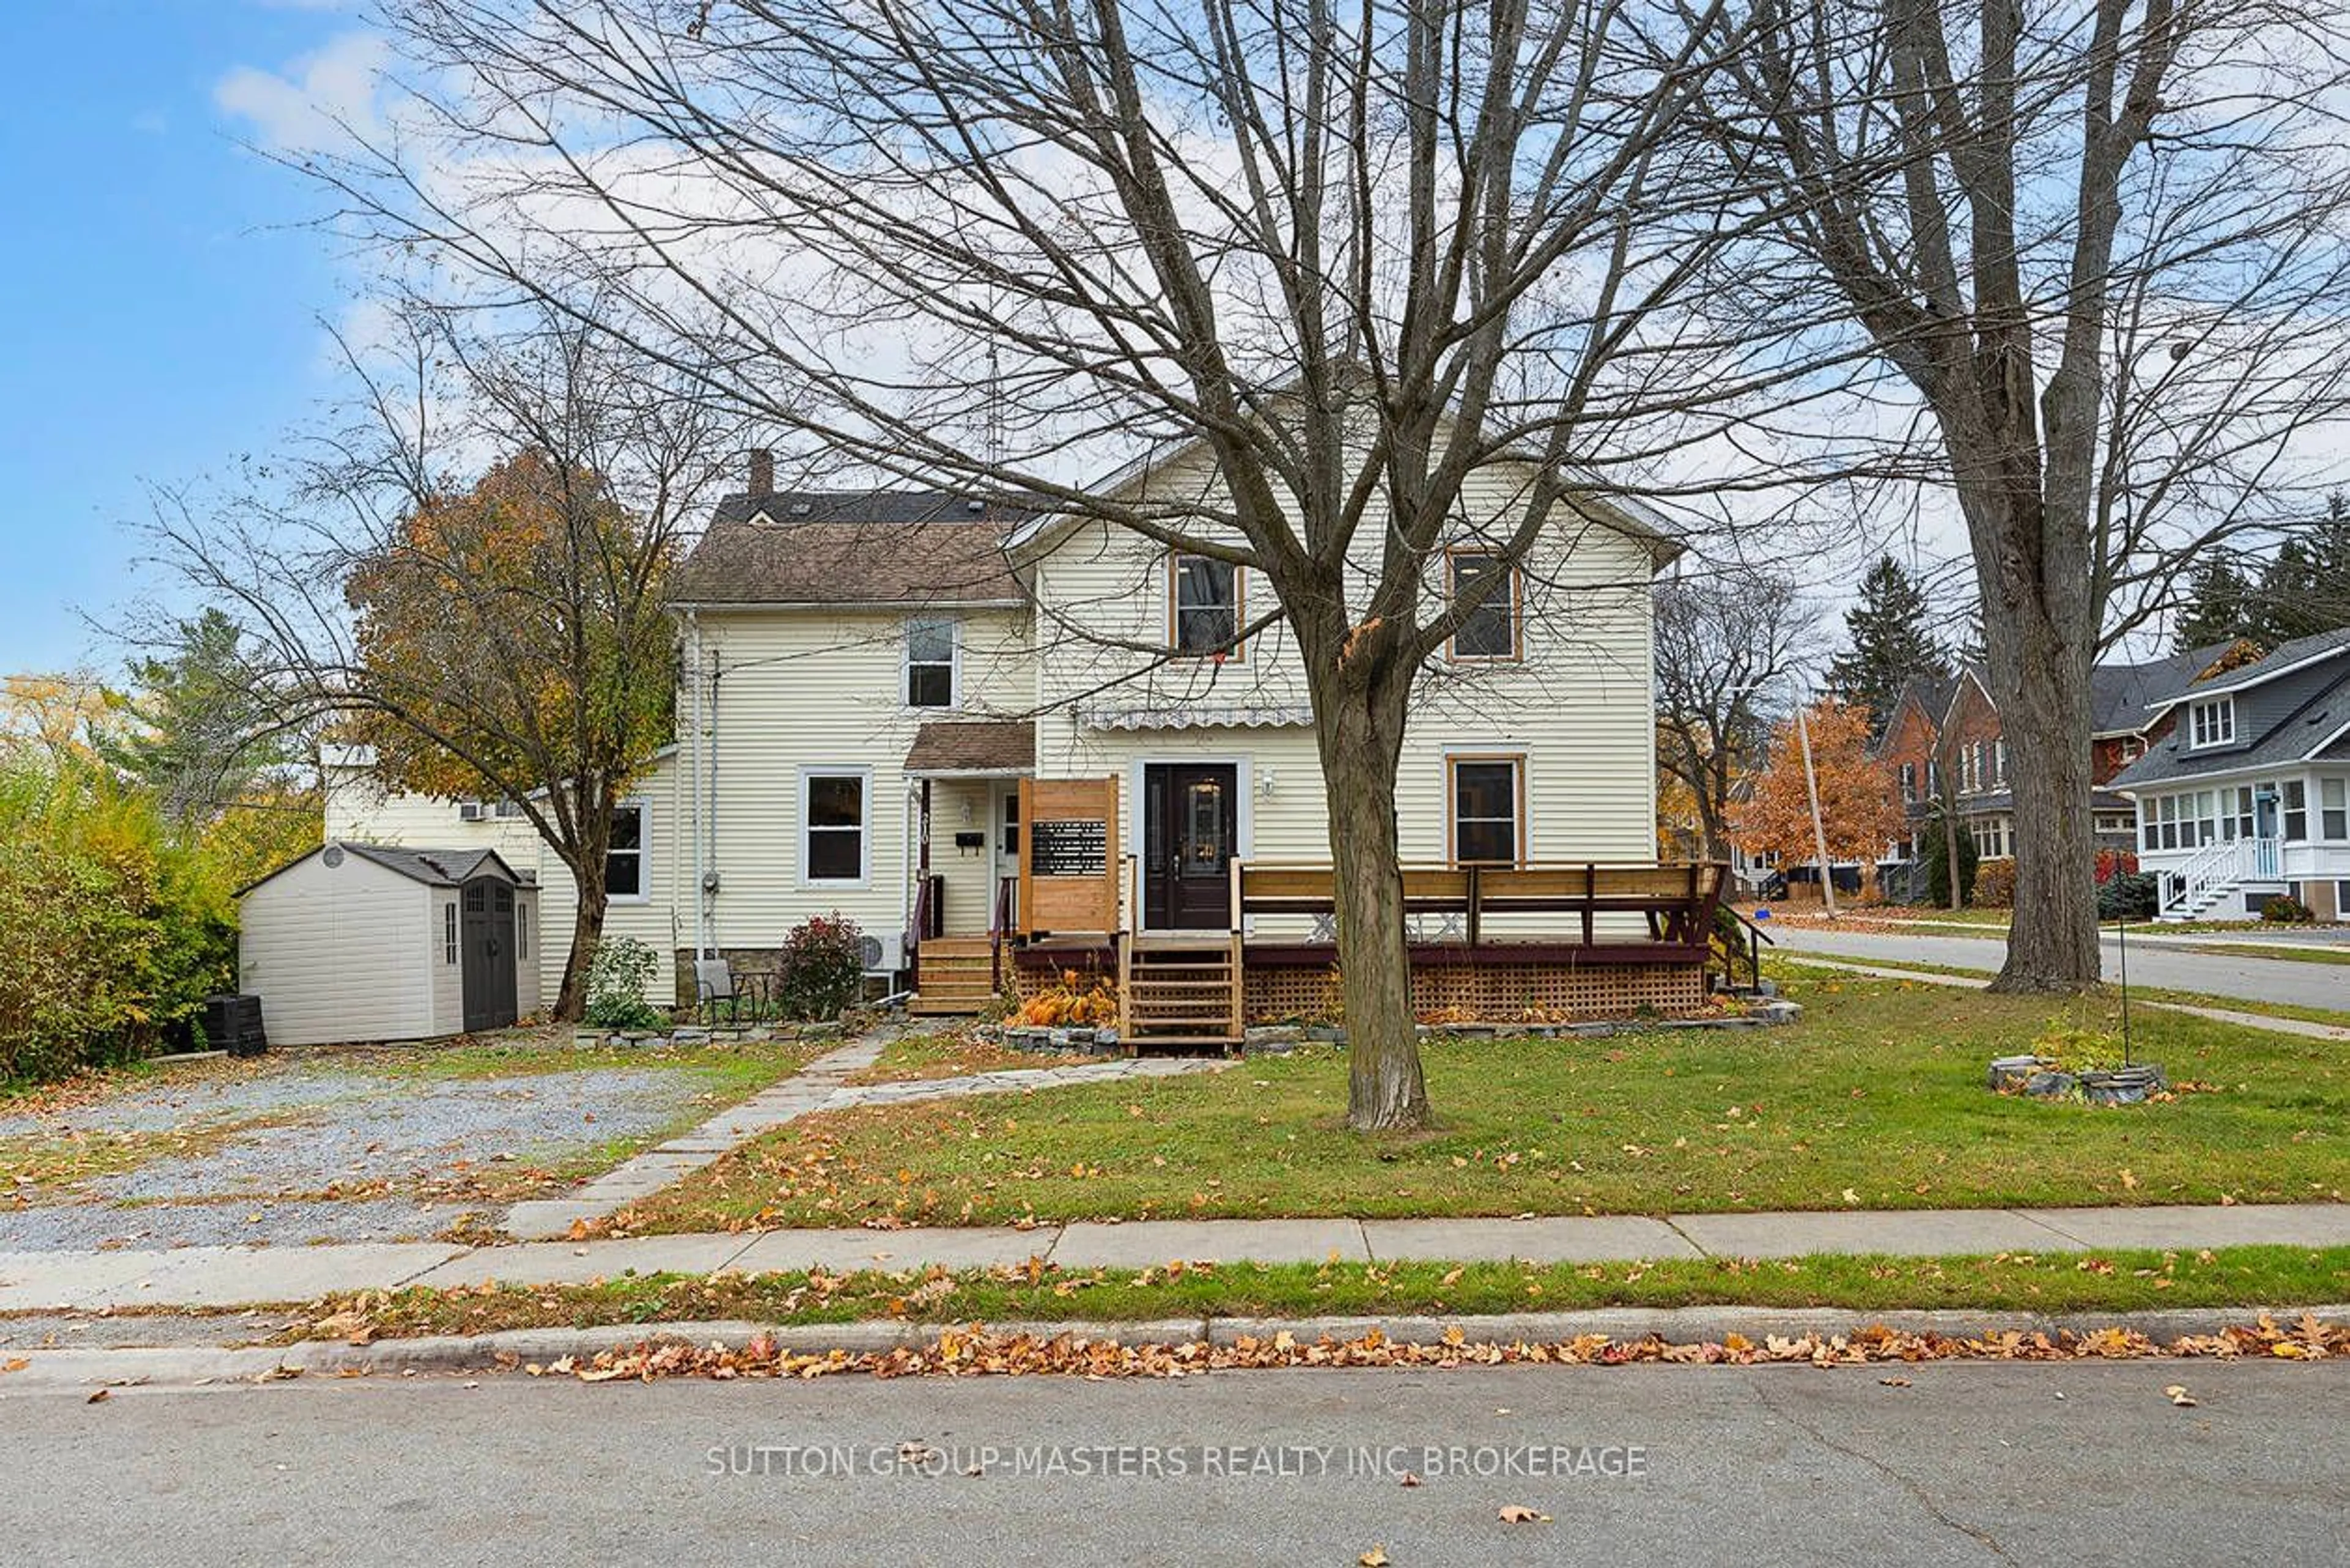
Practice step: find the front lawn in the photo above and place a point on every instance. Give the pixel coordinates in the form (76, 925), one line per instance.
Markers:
(910, 1058)
(1874, 1100)
(2280, 1277)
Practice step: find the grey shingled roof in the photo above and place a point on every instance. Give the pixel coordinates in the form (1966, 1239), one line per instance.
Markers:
(2122, 696)
(436, 867)
(2292, 737)
(433, 868)
(852, 546)
(2285, 656)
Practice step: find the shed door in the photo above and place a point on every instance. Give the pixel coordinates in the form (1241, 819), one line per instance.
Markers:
(487, 926)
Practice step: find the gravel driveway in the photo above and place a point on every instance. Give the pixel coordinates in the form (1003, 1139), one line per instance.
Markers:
(399, 1143)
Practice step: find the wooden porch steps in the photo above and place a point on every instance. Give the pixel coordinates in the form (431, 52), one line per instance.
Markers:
(1181, 991)
(954, 976)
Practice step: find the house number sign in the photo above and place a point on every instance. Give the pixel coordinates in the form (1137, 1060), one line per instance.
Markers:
(1068, 848)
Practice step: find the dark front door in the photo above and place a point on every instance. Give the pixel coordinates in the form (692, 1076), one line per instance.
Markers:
(486, 928)
(1190, 832)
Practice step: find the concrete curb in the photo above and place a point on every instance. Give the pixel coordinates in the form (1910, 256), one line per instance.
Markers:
(81, 1368)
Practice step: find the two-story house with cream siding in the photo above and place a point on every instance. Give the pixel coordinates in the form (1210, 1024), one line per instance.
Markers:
(1005, 741)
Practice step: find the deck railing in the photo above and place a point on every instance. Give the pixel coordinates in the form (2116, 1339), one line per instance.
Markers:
(1676, 900)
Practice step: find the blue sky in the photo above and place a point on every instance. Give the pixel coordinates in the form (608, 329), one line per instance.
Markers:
(161, 301)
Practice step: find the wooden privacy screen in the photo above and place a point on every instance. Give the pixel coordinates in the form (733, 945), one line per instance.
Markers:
(1069, 862)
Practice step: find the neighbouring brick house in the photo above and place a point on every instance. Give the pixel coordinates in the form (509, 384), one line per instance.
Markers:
(1952, 722)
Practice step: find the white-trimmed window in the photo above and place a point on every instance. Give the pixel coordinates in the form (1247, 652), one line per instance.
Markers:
(836, 845)
(2211, 722)
(2296, 802)
(2333, 809)
(625, 881)
(1909, 783)
(1488, 813)
(1204, 608)
(932, 646)
(448, 932)
(1490, 631)
(522, 932)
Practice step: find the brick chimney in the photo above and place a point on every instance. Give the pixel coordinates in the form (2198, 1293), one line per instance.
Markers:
(763, 472)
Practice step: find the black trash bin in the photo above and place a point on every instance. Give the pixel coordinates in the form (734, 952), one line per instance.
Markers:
(233, 1024)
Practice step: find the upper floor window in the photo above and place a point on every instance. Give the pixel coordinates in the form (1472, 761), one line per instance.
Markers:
(1488, 810)
(2212, 723)
(1205, 607)
(1909, 783)
(930, 663)
(624, 855)
(1491, 629)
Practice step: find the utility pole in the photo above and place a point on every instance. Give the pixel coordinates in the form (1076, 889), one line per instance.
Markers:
(1819, 828)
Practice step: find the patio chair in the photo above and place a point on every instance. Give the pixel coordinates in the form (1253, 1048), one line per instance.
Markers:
(720, 990)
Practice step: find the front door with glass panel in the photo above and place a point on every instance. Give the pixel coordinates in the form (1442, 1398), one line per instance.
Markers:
(1190, 834)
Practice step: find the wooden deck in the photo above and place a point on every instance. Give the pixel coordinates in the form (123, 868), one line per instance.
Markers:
(1589, 938)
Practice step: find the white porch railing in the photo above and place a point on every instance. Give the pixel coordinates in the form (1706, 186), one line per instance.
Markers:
(2268, 862)
(2187, 890)
(2215, 864)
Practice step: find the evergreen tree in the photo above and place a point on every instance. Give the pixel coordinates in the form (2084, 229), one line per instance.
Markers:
(1892, 643)
(2219, 605)
(2286, 604)
(2330, 558)
(202, 734)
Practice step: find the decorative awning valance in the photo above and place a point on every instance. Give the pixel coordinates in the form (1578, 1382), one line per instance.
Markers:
(1198, 716)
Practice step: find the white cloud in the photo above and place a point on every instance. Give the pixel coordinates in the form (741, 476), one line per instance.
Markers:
(318, 102)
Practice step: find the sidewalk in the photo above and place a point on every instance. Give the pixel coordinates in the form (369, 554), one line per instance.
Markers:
(244, 1276)
(2268, 1021)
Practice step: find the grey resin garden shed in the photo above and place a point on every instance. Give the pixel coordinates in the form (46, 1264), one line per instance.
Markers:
(369, 942)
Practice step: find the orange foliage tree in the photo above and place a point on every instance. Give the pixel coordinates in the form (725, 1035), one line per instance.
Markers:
(1858, 804)
(513, 645)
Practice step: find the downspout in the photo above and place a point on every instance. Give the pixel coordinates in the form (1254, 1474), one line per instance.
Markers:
(693, 778)
(905, 881)
(715, 880)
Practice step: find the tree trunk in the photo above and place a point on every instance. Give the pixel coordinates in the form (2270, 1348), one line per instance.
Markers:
(586, 859)
(586, 930)
(2043, 707)
(1362, 737)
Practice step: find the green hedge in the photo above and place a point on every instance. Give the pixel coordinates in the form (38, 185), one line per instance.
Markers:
(113, 931)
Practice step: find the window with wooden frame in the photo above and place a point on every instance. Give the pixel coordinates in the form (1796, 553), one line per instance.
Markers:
(1203, 606)
(1491, 629)
(931, 662)
(1486, 810)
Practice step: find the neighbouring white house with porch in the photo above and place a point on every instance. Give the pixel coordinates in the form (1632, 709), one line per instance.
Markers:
(2247, 797)
(1004, 740)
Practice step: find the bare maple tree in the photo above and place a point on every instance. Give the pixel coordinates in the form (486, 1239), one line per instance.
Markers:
(2101, 246)
(468, 575)
(1367, 254)
(1727, 644)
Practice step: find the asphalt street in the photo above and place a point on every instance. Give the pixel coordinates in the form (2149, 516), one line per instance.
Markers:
(2290, 981)
(2072, 1463)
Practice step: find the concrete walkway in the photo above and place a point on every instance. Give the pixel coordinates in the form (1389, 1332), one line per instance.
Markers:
(2243, 976)
(822, 1085)
(2275, 1025)
(240, 1276)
